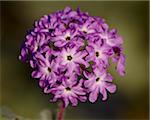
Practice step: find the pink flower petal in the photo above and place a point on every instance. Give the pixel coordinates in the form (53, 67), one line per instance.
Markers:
(103, 92)
(111, 88)
(93, 95)
(121, 65)
(66, 102)
(73, 101)
(59, 43)
(36, 74)
(88, 83)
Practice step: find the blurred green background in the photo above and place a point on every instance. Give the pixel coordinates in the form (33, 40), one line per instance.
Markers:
(21, 94)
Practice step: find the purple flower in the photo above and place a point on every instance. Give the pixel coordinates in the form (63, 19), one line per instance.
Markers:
(63, 38)
(119, 58)
(88, 27)
(46, 24)
(97, 83)
(35, 42)
(98, 52)
(111, 37)
(47, 69)
(69, 53)
(71, 58)
(69, 90)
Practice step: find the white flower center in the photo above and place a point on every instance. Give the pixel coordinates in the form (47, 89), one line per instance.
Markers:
(67, 90)
(48, 70)
(98, 80)
(98, 53)
(68, 57)
(84, 29)
(67, 36)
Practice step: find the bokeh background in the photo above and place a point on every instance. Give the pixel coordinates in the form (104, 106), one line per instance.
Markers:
(20, 93)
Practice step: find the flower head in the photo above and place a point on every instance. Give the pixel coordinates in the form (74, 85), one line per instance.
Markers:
(69, 53)
(97, 83)
(69, 90)
(98, 52)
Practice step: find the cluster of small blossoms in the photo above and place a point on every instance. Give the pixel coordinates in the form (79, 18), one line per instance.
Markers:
(69, 53)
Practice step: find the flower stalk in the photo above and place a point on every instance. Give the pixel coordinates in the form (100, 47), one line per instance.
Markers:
(61, 110)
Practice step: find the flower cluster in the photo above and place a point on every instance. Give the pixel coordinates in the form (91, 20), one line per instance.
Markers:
(69, 52)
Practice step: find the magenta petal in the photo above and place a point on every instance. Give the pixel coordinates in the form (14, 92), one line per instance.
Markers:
(36, 74)
(81, 61)
(42, 83)
(59, 43)
(121, 65)
(53, 99)
(71, 67)
(88, 83)
(105, 26)
(41, 60)
(23, 55)
(119, 40)
(111, 88)
(82, 98)
(87, 74)
(90, 57)
(57, 96)
(81, 54)
(108, 78)
(79, 92)
(115, 59)
(89, 49)
(66, 102)
(93, 95)
(46, 90)
(73, 101)
(47, 54)
(104, 93)
(72, 14)
(67, 9)
(32, 64)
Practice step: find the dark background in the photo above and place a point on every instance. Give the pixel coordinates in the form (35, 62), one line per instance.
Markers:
(21, 94)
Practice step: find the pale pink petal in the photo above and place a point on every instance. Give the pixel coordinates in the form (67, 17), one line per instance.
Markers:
(73, 101)
(93, 95)
(82, 98)
(103, 92)
(88, 83)
(36, 74)
(66, 102)
(111, 88)
(60, 43)
(80, 54)
(41, 60)
(121, 65)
